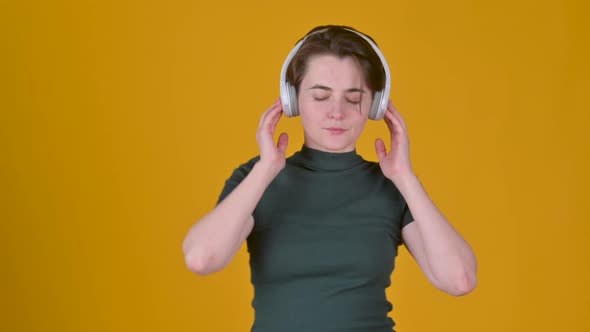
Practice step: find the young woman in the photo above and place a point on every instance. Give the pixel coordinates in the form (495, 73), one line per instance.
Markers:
(323, 226)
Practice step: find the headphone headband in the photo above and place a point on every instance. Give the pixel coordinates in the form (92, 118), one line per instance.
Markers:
(289, 94)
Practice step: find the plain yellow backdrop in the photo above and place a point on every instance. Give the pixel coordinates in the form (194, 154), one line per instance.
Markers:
(121, 120)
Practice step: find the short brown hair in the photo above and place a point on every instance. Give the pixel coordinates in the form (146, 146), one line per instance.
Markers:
(337, 40)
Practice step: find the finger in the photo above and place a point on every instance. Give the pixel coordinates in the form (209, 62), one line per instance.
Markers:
(273, 120)
(380, 149)
(392, 109)
(265, 134)
(269, 124)
(273, 108)
(283, 142)
(396, 131)
(389, 121)
(399, 118)
(397, 114)
(395, 122)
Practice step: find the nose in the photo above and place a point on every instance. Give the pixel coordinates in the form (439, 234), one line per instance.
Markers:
(337, 110)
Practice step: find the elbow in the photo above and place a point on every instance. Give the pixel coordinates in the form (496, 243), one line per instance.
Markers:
(457, 284)
(195, 259)
(462, 285)
(199, 263)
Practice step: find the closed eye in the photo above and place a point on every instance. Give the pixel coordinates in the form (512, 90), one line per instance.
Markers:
(319, 99)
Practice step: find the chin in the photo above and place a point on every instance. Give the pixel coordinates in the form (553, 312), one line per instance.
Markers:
(336, 145)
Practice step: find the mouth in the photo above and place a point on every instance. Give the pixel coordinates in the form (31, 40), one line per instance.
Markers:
(335, 130)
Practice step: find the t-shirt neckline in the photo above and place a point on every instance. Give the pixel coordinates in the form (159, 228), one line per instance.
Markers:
(327, 161)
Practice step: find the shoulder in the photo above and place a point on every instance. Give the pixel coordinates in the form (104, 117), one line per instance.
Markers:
(237, 177)
(246, 167)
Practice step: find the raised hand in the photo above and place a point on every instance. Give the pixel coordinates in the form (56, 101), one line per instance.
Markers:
(272, 155)
(395, 164)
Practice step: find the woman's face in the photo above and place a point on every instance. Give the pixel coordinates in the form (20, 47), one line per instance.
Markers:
(334, 103)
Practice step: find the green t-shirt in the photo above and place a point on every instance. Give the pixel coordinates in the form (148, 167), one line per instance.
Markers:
(324, 243)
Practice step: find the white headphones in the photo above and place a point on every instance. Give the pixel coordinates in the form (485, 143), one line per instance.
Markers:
(289, 94)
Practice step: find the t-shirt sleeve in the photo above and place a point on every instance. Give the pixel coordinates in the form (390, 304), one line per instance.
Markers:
(407, 216)
(236, 178)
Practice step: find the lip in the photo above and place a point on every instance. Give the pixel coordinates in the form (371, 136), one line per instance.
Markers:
(335, 130)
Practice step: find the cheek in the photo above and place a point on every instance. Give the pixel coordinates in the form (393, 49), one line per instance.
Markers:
(307, 121)
(360, 125)
(359, 122)
(367, 105)
(310, 123)
(309, 111)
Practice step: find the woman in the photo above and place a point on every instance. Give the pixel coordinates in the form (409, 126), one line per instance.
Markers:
(323, 225)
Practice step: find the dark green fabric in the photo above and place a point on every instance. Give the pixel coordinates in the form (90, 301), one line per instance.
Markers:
(325, 238)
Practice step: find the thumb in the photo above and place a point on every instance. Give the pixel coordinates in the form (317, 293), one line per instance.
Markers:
(380, 148)
(283, 142)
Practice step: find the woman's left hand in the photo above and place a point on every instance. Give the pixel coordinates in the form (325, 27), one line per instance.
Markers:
(395, 164)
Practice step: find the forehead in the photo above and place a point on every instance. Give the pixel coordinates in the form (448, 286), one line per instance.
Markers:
(339, 73)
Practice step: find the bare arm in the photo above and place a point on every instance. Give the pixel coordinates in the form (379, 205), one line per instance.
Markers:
(213, 241)
(444, 256)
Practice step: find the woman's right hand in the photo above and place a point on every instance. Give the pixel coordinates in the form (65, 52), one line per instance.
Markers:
(272, 155)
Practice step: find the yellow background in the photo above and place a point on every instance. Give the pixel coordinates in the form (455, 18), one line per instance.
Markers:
(121, 120)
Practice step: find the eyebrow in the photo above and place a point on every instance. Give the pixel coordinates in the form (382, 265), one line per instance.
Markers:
(323, 87)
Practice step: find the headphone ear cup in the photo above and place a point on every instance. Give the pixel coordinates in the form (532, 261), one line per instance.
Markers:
(286, 99)
(374, 113)
(293, 100)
